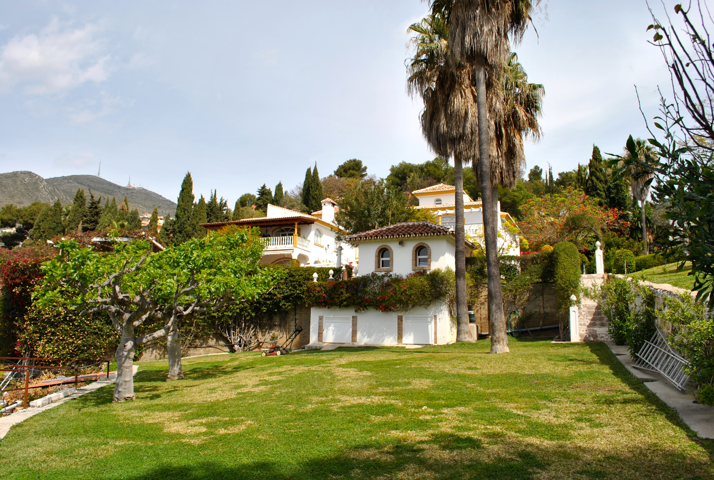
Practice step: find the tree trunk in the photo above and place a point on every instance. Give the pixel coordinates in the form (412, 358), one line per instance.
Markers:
(463, 333)
(644, 228)
(496, 319)
(124, 387)
(173, 343)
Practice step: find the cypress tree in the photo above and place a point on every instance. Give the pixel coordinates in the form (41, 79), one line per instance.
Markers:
(49, 223)
(183, 228)
(200, 211)
(154, 222)
(317, 189)
(596, 185)
(77, 211)
(265, 196)
(94, 213)
(214, 212)
(133, 220)
(618, 192)
(307, 188)
(279, 194)
(167, 232)
(109, 215)
(236, 211)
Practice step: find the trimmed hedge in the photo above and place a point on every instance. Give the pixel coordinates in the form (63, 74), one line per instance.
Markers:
(645, 262)
(624, 262)
(566, 269)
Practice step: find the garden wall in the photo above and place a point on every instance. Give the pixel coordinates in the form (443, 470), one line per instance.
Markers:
(420, 326)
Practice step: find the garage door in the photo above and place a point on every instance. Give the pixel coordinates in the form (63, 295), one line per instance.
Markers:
(337, 330)
(418, 330)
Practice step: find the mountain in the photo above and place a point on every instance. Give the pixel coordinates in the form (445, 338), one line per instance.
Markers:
(23, 188)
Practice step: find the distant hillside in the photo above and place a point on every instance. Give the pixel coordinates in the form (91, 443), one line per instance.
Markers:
(23, 188)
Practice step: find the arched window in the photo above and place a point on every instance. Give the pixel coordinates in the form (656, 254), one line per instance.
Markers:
(384, 259)
(284, 232)
(437, 201)
(318, 237)
(421, 257)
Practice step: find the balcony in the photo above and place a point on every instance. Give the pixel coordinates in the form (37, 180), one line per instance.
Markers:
(281, 243)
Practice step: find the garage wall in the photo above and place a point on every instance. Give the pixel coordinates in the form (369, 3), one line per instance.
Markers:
(373, 327)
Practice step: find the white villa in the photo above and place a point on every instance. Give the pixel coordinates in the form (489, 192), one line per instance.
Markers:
(291, 235)
(440, 200)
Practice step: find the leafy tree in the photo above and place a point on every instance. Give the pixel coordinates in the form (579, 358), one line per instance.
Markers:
(154, 222)
(372, 204)
(148, 296)
(279, 194)
(49, 223)
(109, 214)
(77, 212)
(265, 196)
(185, 225)
(94, 214)
(513, 199)
(351, 169)
(133, 220)
(535, 174)
(247, 200)
(596, 185)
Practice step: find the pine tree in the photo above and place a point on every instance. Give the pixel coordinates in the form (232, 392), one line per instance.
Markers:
(596, 185)
(109, 215)
(133, 220)
(77, 212)
(307, 188)
(168, 231)
(183, 228)
(49, 223)
(279, 194)
(94, 213)
(265, 196)
(154, 222)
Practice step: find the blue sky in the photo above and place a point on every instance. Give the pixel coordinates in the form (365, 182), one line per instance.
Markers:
(245, 93)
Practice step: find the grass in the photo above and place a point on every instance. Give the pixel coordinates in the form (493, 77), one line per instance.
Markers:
(543, 411)
(670, 273)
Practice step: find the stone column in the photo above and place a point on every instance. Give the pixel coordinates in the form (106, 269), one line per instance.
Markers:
(574, 327)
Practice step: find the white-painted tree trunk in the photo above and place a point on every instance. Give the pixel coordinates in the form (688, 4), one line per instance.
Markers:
(124, 387)
(173, 343)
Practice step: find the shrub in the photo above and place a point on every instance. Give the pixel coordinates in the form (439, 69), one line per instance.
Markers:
(546, 249)
(624, 261)
(645, 262)
(693, 337)
(618, 300)
(566, 273)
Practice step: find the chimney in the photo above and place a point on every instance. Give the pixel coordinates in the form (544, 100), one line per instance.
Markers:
(328, 210)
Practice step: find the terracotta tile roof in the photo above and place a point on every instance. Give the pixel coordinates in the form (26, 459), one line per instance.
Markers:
(450, 205)
(441, 187)
(403, 230)
(263, 221)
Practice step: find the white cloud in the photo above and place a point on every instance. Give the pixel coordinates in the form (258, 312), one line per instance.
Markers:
(53, 61)
(80, 160)
(97, 108)
(140, 60)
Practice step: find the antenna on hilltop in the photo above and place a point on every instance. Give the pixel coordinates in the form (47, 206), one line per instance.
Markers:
(99, 172)
(129, 186)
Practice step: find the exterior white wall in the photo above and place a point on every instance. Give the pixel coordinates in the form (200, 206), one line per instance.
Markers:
(442, 253)
(429, 200)
(380, 328)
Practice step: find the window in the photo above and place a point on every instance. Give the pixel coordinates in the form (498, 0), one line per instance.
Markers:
(385, 260)
(318, 238)
(284, 232)
(422, 257)
(437, 201)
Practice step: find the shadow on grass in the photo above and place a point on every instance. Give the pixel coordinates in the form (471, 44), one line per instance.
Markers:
(606, 357)
(443, 456)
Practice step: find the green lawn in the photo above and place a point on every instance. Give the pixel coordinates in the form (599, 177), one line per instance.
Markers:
(543, 411)
(669, 273)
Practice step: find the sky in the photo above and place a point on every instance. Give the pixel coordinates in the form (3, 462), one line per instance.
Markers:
(244, 93)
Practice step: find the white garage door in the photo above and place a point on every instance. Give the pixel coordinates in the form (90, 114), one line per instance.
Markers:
(337, 330)
(418, 330)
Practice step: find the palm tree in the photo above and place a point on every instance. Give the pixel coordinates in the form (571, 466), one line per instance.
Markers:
(479, 37)
(638, 163)
(447, 123)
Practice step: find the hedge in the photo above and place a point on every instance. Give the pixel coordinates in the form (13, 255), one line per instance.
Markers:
(645, 262)
(624, 262)
(537, 265)
(566, 270)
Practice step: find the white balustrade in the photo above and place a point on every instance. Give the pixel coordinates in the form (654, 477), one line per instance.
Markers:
(283, 242)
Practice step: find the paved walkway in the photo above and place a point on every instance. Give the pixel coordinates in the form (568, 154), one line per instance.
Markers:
(8, 421)
(698, 417)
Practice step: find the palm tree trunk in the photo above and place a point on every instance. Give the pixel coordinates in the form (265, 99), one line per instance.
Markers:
(463, 332)
(644, 228)
(496, 319)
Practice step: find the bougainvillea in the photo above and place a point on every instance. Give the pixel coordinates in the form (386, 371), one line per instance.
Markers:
(383, 292)
(568, 216)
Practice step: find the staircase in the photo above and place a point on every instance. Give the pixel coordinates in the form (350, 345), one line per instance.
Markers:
(592, 322)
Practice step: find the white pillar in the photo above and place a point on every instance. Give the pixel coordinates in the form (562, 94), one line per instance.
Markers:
(314, 277)
(599, 261)
(574, 327)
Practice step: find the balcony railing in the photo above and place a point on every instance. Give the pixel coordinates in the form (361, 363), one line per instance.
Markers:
(285, 242)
